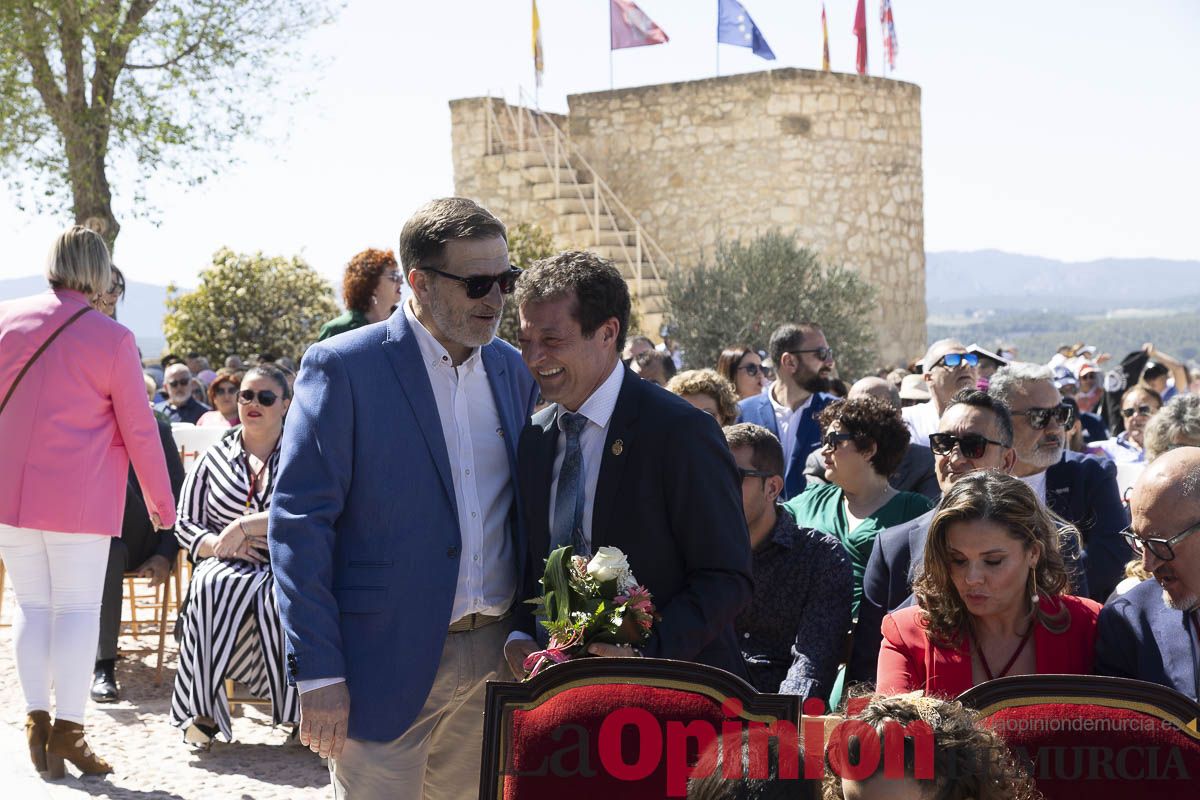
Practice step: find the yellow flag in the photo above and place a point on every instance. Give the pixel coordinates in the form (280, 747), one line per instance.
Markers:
(537, 45)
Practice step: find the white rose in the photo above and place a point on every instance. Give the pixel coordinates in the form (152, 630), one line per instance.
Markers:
(609, 563)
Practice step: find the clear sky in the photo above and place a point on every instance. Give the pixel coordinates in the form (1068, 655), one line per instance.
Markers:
(1059, 128)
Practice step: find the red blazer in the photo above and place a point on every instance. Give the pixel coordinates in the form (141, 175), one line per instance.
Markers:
(908, 660)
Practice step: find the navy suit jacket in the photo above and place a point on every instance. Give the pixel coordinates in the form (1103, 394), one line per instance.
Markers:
(807, 431)
(1077, 489)
(1140, 637)
(670, 498)
(364, 534)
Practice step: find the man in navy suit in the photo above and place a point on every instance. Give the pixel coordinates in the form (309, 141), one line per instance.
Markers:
(1151, 632)
(804, 373)
(1080, 489)
(394, 530)
(617, 461)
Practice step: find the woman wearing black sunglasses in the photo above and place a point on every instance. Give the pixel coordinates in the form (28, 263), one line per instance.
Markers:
(223, 525)
(742, 366)
(1138, 405)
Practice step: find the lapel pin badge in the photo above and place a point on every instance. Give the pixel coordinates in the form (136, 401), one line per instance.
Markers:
(500, 432)
(618, 447)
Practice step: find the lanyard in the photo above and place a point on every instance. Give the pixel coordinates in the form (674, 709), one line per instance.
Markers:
(1191, 622)
(253, 477)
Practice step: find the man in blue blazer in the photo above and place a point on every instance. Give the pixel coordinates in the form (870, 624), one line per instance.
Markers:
(617, 461)
(1151, 632)
(394, 532)
(804, 373)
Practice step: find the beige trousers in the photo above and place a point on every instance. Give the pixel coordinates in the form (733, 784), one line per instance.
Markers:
(437, 758)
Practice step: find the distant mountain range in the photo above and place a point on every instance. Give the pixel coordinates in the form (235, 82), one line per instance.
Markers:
(958, 283)
(959, 286)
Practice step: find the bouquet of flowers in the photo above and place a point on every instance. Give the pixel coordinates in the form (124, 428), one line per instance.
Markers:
(589, 600)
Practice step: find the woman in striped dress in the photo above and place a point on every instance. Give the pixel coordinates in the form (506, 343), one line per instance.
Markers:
(230, 627)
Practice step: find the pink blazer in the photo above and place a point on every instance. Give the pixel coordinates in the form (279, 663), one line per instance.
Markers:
(908, 660)
(76, 419)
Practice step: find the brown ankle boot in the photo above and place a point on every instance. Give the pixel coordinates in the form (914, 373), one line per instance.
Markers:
(37, 733)
(66, 742)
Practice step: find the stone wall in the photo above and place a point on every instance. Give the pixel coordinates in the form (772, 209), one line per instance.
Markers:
(833, 158)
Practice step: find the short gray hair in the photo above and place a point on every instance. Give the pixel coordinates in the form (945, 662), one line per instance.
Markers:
(79, 260)
(1012, 380)
(1179, 418)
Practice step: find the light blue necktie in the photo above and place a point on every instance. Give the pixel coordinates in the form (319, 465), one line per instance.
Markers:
(567, 525)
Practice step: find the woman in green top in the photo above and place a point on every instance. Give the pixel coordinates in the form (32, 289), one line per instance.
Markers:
(864, 442)
(370, 289)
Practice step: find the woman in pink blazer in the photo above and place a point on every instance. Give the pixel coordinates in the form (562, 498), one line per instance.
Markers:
(71, 425)
(992, 600)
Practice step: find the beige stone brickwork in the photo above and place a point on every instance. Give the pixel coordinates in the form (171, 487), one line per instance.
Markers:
(833, 158)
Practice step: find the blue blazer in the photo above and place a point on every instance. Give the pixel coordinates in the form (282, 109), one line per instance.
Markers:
(364, 533)
(807, 431)
(1139, 637)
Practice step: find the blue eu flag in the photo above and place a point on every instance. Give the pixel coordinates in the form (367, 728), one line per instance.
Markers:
(735, 27)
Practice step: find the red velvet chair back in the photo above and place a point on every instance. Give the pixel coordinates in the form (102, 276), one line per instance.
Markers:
(1082, 736)
(609, 728)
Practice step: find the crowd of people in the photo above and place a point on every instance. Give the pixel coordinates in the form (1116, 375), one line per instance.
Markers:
(367, 529)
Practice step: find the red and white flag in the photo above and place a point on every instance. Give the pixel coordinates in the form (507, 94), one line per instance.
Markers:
(630, 27)
(891, 45)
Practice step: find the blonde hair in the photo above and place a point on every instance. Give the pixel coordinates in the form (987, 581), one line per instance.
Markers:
(1007, 501)
(708, 382)
(79, 260)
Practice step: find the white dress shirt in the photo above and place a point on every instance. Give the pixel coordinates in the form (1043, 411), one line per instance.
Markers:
(784, 417)
(598, 409)
(1037, 482)
(922, 420)
(483, 491)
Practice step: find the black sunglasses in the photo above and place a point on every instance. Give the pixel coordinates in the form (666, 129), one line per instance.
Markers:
(755, 473)
(753, 369)
(823, 353)
(224, 390)
(1039, 418)
(480, 285)
(831, 440)
(179, 382)
(1141, 411)
(266, 398)
(954, 360)
(971, 445)
(1160, 548)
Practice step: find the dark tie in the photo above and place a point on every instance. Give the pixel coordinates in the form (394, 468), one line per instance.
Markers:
(567, 525)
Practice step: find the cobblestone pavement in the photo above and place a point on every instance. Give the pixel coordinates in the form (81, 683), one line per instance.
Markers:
(150, 760)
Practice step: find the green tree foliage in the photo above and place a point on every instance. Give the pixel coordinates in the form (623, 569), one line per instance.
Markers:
(249, 304)
(526, 244)
(751, 289)
(160, 86)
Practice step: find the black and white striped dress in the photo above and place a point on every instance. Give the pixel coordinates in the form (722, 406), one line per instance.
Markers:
(231, 625)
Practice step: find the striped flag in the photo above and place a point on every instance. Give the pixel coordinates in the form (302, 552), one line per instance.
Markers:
(825, 40)
(538, 65)
(891, 45)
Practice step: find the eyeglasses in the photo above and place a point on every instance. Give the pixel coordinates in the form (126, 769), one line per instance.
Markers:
(266, 398)
(831, 440)
(755, 473)
(753, 369)
(1141, 411)
(971, 445)
(955, 360)
(228, 389)
(1039, 418)
(392, 276)
(1162, 549)
(175, 384)
(823, 353)
(480, 285)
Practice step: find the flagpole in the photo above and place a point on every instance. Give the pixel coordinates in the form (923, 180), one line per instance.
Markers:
(610, 48)
(718, 44)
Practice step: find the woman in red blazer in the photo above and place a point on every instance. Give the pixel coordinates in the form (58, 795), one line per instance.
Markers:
(73, 421)
(992, 600)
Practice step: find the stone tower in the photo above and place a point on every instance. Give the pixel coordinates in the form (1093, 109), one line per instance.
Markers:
(833, 158)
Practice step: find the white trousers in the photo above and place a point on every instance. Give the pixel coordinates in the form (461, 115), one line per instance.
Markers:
(58, 579)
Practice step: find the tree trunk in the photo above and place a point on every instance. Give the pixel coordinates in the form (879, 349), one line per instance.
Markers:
(90, 193)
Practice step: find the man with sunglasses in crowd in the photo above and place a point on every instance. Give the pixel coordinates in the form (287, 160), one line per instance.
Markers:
(180, 405)
(803, 362)
(1079, 488)
(395, 538)
(947, 369)
(1152, 632)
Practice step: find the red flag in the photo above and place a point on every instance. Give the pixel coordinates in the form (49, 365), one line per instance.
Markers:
(630, 27)
(860, 30)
